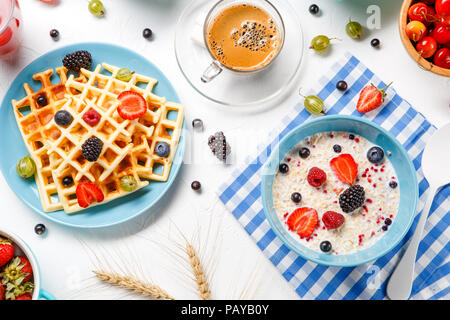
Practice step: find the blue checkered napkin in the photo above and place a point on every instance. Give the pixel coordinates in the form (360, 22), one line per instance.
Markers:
(242, 196)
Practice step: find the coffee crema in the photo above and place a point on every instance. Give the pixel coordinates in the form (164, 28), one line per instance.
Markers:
(243, 37)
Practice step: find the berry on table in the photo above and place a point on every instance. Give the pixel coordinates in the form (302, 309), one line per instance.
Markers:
(375, 43)
(54, 34)
(197, 123)
(375, 155)
(316, 177)
(147, 33)
(67, 181)
(219, 146)
(77, 60)
(314, 9)
(325, 246)
(371, 98)
(352, 198)
(96, 8)
(320, 43)
(296, 197)
(341, 85)
(92, 148)
(162, 149)
(63, 118)
(42, 100)
(128, 183)
(283, 168)
(304, 153)
(313, 104)
(196, 185)
(39, 229)
(354, 29)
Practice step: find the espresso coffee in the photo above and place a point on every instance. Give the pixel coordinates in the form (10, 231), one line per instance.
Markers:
(243, 37)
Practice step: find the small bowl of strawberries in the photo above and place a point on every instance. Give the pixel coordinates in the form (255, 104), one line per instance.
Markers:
(19, 271)
(425, 33)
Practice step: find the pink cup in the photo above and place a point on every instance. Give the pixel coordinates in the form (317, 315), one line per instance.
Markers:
(10, 26)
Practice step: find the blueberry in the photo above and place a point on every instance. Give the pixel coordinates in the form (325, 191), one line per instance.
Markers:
(388, 222)
(54, 34)
(304, 153)
(67, 181)
(325, 246)
(351, 136)
(375, 43)
(147, 33)
(196, 185)
(197, 123)
(393, 184)
(341, 85)
(284, 168)
(375, 155)
(337, 148)
(42, 101)
(314, 9)
(63, 118)
(162, 149)
(296, 197)
(384, 228)
(39, 229)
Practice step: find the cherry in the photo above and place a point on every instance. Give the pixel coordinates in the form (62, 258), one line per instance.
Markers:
(442, 58)
(421, 12)
(426, 47)
(441, 34)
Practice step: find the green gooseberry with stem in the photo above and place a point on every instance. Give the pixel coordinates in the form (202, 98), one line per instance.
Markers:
(321, 43)
(354, 29)
(313, 104)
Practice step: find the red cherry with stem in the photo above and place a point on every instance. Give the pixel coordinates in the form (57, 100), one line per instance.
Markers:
(426, 47)
(442, 7)
(421, 12)
(441, 34)
(442, 58)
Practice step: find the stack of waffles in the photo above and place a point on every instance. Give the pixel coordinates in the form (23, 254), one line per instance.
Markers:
(128, 145)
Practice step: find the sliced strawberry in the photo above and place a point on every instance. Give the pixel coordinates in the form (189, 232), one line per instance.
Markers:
(6, 251)
(371, 98)
(87, 193)
(345, 168)
(303, 221)
(132, 105)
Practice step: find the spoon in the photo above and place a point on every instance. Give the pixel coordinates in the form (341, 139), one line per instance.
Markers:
(436, 168)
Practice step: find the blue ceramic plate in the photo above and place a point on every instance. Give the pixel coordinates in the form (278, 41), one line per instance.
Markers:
(12, 147)
(403, 166)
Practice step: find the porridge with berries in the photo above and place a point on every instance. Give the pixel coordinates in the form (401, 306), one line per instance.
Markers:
(336, 192)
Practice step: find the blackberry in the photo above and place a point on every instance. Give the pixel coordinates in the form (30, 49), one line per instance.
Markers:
(219, 146)
(92, 149)
(352, 198)
(78, 59)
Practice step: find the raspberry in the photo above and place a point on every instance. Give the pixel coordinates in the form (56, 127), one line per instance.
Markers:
(332, 220)
(91, 117)
(316, 177)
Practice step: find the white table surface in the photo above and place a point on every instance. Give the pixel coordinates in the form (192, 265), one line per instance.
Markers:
(66, 255)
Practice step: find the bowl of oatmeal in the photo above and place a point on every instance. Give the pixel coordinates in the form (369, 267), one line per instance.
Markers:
(339, 191)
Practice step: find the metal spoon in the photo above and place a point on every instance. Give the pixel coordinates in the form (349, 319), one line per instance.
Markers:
(436, 168)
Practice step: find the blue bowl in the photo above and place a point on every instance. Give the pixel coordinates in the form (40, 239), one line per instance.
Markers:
(409, 189)
(12, 147)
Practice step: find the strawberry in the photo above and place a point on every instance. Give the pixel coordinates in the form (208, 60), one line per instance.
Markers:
(316, 177)
(345, 168)
(132, 105)
(24, 296)
(371, 98)
(303, 221)
(333, 220)
(2, 292)
(16, 272)
(87, 193)
(6, 251)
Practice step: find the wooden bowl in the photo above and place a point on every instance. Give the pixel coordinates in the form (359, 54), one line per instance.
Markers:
(425, 64)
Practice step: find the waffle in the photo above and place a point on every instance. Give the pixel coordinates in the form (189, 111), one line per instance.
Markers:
(103, 85)
(31, 119)
(65, 151)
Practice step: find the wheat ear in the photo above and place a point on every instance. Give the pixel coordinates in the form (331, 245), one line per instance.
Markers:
(139, 286)
(201, 280)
